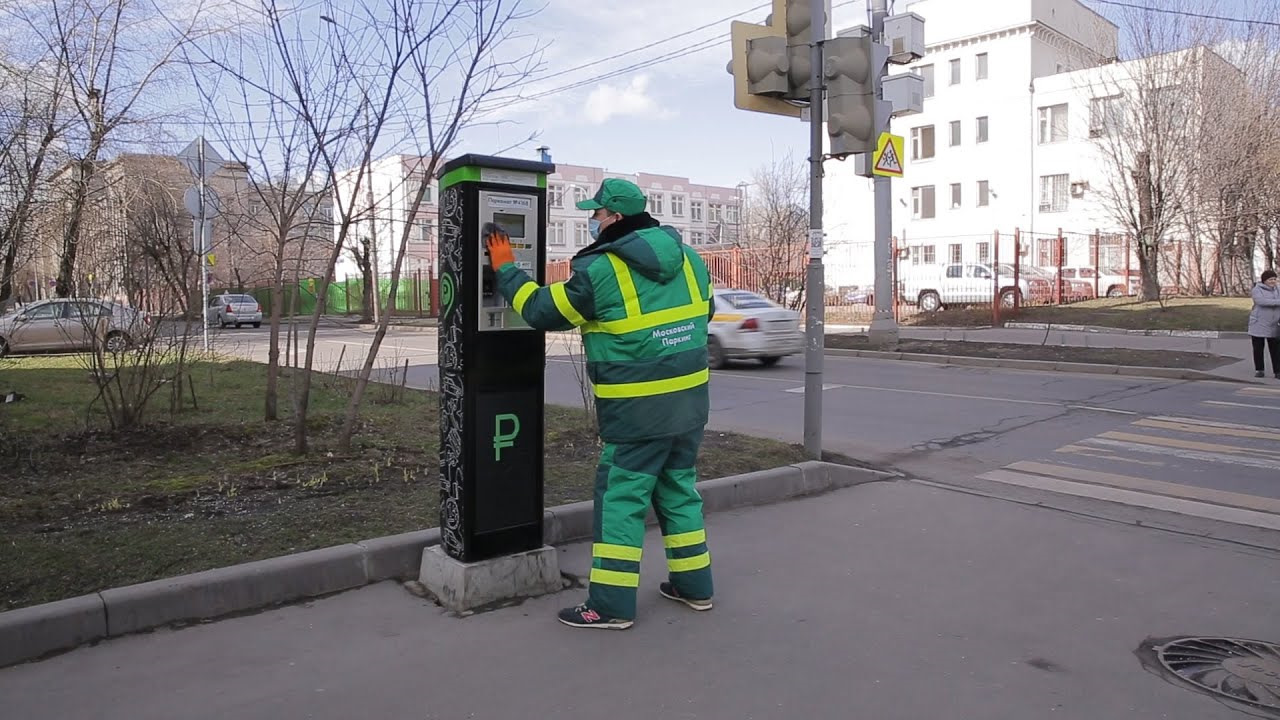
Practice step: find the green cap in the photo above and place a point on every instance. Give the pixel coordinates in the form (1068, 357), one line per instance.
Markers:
(616, 195)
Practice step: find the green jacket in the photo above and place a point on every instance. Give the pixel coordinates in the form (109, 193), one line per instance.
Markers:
(642, 302)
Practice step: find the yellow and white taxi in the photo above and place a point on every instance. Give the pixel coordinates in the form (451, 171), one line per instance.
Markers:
(746, 325)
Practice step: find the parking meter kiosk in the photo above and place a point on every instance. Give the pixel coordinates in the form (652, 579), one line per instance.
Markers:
(491, 362)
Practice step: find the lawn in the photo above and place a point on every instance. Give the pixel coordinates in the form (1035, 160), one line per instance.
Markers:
(84, 508)
(1213, 313)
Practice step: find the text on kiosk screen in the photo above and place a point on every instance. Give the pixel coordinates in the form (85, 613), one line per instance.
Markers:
(511, 223)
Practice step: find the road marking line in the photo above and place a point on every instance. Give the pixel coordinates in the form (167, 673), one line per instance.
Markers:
(1102, 409)
(1212, 511)
(1212, 423)
(1258, 391)
(1161, 487)
(1200, 429)
(1242, 405)
(1245, 461)
(1186, 444)
(1105, 454)
(800, 390)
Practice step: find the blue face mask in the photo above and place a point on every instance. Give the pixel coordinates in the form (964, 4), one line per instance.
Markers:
(593, 227)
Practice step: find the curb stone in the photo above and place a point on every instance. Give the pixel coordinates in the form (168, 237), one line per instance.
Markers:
(1041, 365)
(1103, 330)
(38, 631)
(399, 328)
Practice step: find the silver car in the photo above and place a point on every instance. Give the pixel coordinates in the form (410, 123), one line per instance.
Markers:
(232, 309)
(72, 324)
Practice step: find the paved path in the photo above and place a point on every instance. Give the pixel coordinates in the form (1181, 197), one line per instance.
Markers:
(893, 601)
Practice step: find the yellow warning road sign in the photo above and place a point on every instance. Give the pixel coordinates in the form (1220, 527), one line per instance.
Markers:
(888, 157)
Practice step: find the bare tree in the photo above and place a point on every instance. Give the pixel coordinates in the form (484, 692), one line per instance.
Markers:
(31, 94)
(382, 78)
(1180, 129)
(777, 225)
(115, 54)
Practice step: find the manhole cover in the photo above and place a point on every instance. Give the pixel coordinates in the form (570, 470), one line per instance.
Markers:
(1243, 670)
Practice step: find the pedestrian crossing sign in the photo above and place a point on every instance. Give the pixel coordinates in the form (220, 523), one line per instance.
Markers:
(888, 157)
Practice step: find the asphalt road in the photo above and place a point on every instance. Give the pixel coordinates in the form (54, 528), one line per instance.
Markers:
(1177, 451)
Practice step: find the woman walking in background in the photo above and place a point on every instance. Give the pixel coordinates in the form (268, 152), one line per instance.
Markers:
(1264, 323)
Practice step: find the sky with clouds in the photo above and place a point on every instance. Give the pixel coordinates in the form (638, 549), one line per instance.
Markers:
(676, 117)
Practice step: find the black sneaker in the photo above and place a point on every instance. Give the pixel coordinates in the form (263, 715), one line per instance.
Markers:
(584, 617)
(669, 591)
(1262, 374)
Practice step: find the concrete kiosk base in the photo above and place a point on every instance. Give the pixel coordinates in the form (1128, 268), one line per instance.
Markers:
(466, 586)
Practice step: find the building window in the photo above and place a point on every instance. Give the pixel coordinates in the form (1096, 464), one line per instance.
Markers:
(955, 71)
(555, 196)
(655, 203)
(697, 237)
(1053, 193)
(1105, 115)
(955, 133)
(955, 197)
(984, 252)
(715, 212)
(731, 214)
(930, 255)
(555, 233)
(677, 205)
(926, 72)
(915, 254)
(1053, 123)
(695, 210)
(421, 231)
(579, 194)
(980, 67)
(955, 253)
(922, 143)
(922, 202)
(984, 193)
(580, 234)
(980, 132)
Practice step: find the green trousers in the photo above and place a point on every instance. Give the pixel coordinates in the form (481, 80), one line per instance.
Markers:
(630, 478)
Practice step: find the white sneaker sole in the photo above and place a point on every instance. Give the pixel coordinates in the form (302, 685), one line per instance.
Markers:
(700, 607)
(599, 626)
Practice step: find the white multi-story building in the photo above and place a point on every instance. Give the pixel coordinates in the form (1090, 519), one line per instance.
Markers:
(703, 214)
(1003, 142)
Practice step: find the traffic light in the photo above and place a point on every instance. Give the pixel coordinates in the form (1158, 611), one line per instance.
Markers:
(799, 29)
(761, 65)
(851, 65)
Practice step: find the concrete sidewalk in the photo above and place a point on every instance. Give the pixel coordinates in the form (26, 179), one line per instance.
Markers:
(1227, 347)
(886, 601)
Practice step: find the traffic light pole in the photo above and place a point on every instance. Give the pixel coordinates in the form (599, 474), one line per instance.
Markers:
(884, 328)
(815, 280)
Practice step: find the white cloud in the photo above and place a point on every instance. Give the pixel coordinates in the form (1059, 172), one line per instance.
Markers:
(609, 101)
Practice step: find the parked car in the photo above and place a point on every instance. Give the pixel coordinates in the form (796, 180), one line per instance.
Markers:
(72, 324)
(935, 288)
(746, 325)
(1073, 290)
(233, 309)
(1110, 282)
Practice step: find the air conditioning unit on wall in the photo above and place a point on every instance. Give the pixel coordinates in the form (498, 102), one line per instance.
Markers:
(1078, 188)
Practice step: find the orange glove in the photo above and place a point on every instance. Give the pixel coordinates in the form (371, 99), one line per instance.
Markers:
(499, 244)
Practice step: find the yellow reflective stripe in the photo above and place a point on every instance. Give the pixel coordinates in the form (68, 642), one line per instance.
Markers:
(692, 280)
(697, 562)
(647, 321)
(648, 388)
(687, 539)
(565, 307)
(614, 577)
(627, 286)
(616, 552)
(522, 296)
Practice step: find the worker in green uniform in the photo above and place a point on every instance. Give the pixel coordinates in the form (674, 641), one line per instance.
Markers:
(642, 300)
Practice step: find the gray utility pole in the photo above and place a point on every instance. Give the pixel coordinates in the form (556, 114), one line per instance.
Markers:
(202, 243)
(884, 328)
(815, 280)
(203, 161)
